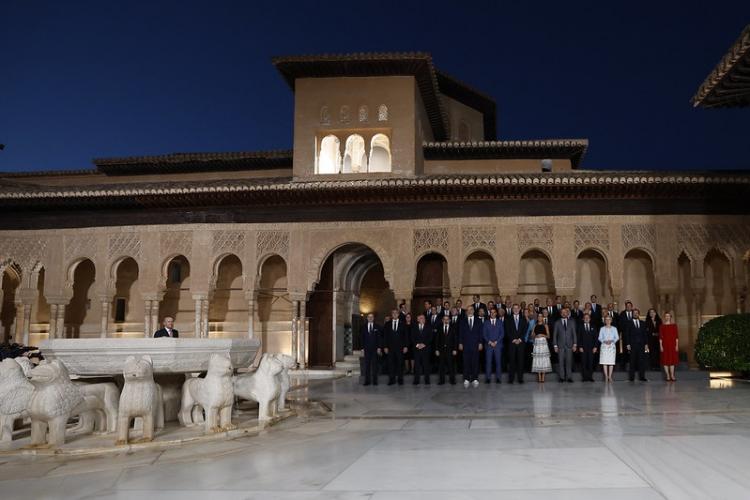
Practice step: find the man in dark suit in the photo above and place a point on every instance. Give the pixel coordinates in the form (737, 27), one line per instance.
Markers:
(624, 323)
(434, 318)
(493, 334)
(588, 344)
(421, 341)
(372, 339)
(565, 342)
(637, 345)
(515, 334)
(470, 343)
(446, 349)
(395, 345)
(427, 310)
(478, 305)
(168, 329)
(596, 312)
(551, 312)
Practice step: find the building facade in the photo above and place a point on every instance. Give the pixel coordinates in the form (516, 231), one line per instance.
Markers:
(395, 189)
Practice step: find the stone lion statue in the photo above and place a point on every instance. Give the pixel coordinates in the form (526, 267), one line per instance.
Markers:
(52, 404)
(263, 386)
(15, 396)
(213, 393)
(141, 397)
(109, 395)
(287, 362)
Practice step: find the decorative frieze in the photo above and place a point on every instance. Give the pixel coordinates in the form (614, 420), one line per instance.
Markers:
(26, 251)
(533, 235)
(176, 242)
(124, 244)
(273, 242)
(228, 242)
(698, 239)
(593, 235)
(80, 245)
(430, 239)
(478, 238)
(639, 236)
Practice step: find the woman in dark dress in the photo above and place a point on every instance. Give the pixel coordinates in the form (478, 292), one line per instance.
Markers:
(653, 322)
(409, 356)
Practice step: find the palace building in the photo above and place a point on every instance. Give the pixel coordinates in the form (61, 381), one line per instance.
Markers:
(396, 187)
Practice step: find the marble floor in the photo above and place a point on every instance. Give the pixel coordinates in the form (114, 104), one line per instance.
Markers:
(564, 441)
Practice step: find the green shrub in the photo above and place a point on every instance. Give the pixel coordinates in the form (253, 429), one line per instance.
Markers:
(724, 343)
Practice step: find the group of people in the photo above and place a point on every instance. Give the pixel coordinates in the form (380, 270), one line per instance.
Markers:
(518, 337)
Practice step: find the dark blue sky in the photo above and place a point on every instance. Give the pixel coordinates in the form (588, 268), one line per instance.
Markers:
(94, 79)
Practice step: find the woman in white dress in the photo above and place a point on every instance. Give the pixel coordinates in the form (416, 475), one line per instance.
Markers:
(608, 338)
(541, 363)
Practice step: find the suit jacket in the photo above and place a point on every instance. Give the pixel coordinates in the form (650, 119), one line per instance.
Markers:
(470, 337)
(482, 305)
(623, 322)
(565, 337)
(493, 333)
(596, 313)
(553, 314)
(637, 337)
(433, 321)
(163, 333)
(511, 332)
(371, 341)
(590, 340)
(446, 343)
(423, 337)
(395, 339)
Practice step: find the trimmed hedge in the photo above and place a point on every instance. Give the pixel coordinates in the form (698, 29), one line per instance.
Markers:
(724, 343)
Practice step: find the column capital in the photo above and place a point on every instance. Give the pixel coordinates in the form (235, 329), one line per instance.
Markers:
(298, 296)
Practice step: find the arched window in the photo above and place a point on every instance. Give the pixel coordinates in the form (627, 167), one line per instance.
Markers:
(355, 158)
(325, 116)
(329, 161)
(383, 113)
(380, 154)
(364, 113)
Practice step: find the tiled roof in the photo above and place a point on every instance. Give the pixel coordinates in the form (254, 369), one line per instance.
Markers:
(572, 149)
(192, 162)
(729, 82)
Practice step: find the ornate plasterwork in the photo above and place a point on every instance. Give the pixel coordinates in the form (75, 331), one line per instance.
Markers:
(540, 236)
(80, 245)
(698, 239)
(27, 251)
(176, 242)
(124, 244)
(639, 236)
(430, 239)
(591, 235)
(273, 242)
(228, 242)
(478, 238)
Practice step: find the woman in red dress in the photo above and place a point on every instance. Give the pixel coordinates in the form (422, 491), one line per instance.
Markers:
(669, 346)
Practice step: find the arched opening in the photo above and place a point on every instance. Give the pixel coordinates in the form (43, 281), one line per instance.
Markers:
(274, 307)
(352, 283)
(177, 301)
(227, 310)
(40, 319)
(639, 286)
(535, 277)
(329, 160)
(431, 281)
(127, 311)
(11, 279)
(479, 276)
(81, 304)
(355, 158)
(719, 298)
(592, 277)
(380, 154)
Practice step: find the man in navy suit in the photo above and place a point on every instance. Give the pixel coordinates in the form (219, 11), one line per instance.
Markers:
(446, 349)
(421, 340)
(637, 345)
(168, 329)
(470, 342)
(372, 338)
(493, 334)
(515, 333)
(395, 345)
(478, 305)
(588, 344)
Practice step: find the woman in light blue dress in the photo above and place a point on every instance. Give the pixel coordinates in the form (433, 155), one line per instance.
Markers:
(608, 338)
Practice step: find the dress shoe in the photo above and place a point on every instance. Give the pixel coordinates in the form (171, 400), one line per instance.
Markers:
(475, 383)
(510, 381)
(644, 379)
(366, 383)
(441, 383)
(391, 382)
(561, 381)
(570, 380)
(487, 381)
(416, 382)
(400, 382)
(520, 381)
(466, 383)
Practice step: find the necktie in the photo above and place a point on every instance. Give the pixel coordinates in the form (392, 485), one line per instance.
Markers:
(516, 322)
(587, 328)
(369, 328)
(169, 332)
(493, 322)
(471, 323)
(636, 324)
(446, 329)
(420, 328)
(565, 323)
(629, 316)
(394, 325)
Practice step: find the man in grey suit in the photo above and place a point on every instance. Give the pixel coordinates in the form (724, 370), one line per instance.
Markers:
(565, 341)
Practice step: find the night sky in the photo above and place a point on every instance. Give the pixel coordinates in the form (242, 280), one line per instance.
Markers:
(81, 80)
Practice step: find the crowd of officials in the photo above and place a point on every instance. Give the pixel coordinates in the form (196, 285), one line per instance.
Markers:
(517, 338)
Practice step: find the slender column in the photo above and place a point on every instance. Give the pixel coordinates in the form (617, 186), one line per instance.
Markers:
(60, 330)
(204, 314)
(20, 324)
(106, 305)
(26, 324)
(52, 320)
(198, 319)
(295, 328)
(250, 318)
(148, 328)
(302, 335)
(154, 317)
